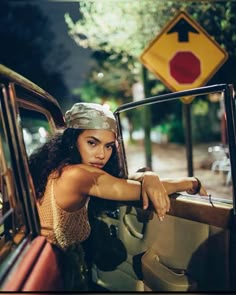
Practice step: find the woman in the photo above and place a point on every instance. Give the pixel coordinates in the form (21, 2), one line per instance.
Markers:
(82, 162)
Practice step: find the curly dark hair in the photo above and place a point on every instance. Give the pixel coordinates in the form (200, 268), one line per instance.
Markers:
(58, 152)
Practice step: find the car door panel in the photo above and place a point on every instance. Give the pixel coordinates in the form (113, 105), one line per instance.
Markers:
(34, 272)
(179, 254)
(131, 230)
(187, 251)
(163, 278)
(126, 276)
(193, 248)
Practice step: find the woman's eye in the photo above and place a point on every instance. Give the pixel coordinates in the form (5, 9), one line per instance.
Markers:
(91, 142)
(110, 146)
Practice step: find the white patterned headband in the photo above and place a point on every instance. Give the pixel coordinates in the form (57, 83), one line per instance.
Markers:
(90, 116)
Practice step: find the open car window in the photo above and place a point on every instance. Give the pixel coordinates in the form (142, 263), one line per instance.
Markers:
(186, 139)
(36, 129)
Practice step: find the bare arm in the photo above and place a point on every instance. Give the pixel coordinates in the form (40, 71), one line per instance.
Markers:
(163, 188)
(77, 182)
(172, 185)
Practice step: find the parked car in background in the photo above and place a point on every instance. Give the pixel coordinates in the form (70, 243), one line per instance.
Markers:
(193, 249)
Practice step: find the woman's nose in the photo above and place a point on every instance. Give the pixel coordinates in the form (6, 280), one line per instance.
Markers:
(100, 153)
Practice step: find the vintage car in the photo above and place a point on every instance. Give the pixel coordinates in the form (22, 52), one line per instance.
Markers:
(193, 249)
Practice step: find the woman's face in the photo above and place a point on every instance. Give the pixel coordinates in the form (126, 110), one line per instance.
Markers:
(95, 147)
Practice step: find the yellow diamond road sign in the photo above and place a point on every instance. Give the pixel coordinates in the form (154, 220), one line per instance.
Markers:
(183, 55)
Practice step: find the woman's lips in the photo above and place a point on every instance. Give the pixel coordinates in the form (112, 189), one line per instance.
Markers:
(98, 165)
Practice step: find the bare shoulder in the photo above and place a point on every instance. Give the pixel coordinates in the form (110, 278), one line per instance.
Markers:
(73, 171)
(81, 177)
(81, 172)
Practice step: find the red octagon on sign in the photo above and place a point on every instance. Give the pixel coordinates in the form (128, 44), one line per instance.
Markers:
(185, 67)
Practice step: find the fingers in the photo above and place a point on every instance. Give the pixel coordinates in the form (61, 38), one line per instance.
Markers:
(145, 199)
(153, 189)
(197, 188)
(203, 192)
(163, 206)
(167, 203)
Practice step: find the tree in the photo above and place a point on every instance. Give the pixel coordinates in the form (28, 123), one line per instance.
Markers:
(122, 29)
(219, 22)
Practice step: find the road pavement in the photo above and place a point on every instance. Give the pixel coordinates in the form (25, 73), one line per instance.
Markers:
(169, 160)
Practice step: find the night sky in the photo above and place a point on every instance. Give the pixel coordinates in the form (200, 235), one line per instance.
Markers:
(78, 61)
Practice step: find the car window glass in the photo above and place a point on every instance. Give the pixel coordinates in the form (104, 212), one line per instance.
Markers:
(168, 136)
(36, 129)
(12, 224)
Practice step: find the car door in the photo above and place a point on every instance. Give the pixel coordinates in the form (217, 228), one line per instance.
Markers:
(27, 261)
(193, 249)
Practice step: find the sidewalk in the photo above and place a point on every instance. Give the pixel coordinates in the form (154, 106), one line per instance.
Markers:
(169, 160)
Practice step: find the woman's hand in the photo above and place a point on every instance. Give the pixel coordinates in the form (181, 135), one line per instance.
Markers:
(153, 189)
(203, 192)
(197, 188)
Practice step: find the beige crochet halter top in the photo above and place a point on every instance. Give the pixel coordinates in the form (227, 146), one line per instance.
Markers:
(60, 227)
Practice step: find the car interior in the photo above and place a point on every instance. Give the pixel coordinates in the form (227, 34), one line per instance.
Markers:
(192, 250)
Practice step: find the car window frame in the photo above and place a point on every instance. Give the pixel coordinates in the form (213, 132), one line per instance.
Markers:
(18, 93)
(17, 153)
(229, 102)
